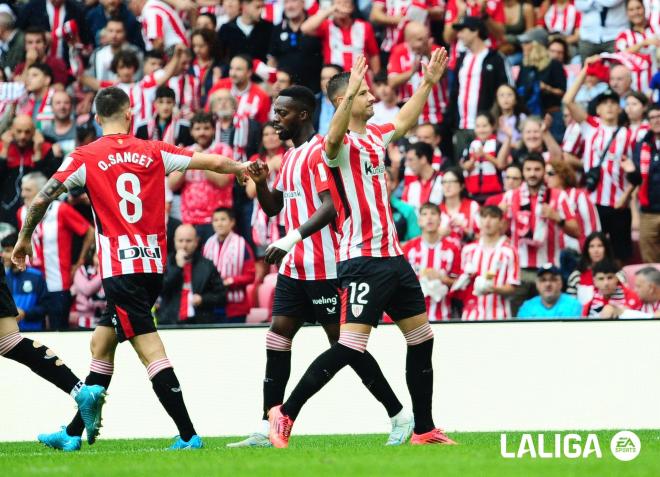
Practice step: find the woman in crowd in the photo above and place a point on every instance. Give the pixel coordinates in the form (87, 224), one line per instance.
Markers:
(204, 66)
(536, 137)
(640, 37)
(564, 18)
(581, 283)
(635, 109)
(519, 17)
(509, 112)
(265, 230)
(460, 215)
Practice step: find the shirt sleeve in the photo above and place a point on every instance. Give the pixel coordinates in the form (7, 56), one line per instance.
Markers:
(342, 155)
(564, 206)
(174, 158)
(387, 131)
(72, 172)
(394, 64)
(513, 269)
(154, 24)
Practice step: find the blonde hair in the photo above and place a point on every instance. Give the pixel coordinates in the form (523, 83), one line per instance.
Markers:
(538, 56)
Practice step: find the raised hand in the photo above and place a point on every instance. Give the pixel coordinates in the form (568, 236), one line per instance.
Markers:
(242, 174)
(22, 249)
(358, 71)
(437, 66)
(258, 171)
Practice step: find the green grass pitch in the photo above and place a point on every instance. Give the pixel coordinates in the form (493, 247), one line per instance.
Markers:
(336, 456)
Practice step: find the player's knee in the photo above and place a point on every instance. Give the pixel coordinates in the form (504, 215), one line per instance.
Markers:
(419, 335)
(8, 341)
(8, 326)
(354, 340)
(102, 349)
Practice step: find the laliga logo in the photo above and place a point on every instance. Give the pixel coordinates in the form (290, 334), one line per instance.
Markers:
(625, 446)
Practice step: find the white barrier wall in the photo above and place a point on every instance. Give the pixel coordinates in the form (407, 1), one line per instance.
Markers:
(488, 377)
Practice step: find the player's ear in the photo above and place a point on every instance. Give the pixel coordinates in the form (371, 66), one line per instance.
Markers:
(97, 118)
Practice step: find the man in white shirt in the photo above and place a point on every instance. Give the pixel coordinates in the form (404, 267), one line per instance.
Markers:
(602, 21)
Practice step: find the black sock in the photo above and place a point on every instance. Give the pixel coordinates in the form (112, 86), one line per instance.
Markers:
(43, 362)
(374, 380)
(419, 377)
(76, 427)
(278, 370)
(167, 388)
(317, 375)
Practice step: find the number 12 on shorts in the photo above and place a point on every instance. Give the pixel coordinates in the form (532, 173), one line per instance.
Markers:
(358, 294)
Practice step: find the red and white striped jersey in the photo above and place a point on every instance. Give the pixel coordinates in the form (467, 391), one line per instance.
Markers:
(52, 240)
(650, 307)
(56, 21)
(302, 177)
(462, 223)
(418, 191)
(495, 11)
(484, 176)
(408, 174)
(253, 101)
(587, 216)
(394, 33)
(563, 19)
(402, 60)
(652, 8)
(637, 132)
(630, 37)
(159, 20)
(623, 297)
(573, 142)
(537, 240)
(440, 256)
(469, 88)
(273, 10)
(186, 90)
(498, 263)
(365, 224)
(612, 178)
(44, 115)
(341, 46)
(120, 172)
(141, 95)
(640, 66)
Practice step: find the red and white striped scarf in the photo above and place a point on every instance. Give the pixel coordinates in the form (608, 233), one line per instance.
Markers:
(228, 257)
(523, 218)
(241, 123)
(169, 134)
(186, 309)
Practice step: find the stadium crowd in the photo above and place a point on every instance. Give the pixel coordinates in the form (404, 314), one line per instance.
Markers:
(530, 187)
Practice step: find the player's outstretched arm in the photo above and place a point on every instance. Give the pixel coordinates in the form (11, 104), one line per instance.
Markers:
(219, 164)
(319, 219)
(341, 118)
(35, 213)
(271, 201)
(409, 114)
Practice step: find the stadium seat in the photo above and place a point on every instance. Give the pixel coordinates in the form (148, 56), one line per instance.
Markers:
(251, 293)
(630, 270)
(258, 315)
(267, 292)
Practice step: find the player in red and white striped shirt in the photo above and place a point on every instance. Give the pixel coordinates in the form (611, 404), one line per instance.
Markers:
(306, 287)
(123, 177)
(52, 244)
(373, 275)
(563, 17)
(405, 71)
(162, 26)
(491, 270)
(436, 261)
(343, 38)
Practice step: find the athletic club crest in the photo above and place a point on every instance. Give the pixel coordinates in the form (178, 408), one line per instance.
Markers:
(356, 309)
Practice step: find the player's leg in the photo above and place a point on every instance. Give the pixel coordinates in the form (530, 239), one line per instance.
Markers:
(278, 369)
(102, 345)
(151, 352)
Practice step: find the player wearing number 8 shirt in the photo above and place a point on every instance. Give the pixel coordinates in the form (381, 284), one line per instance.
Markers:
(373, 275)
(125, 180)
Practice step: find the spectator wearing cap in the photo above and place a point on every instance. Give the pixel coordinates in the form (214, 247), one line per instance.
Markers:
(647, 176)
(36, 51)
(294, 51)
(602, 21)
(550, 303)
(12, 41)
(647, 287)
(56, 16)
(479, 72)
(606, 160)
(98, 17)
(246, 34)
(541, 82)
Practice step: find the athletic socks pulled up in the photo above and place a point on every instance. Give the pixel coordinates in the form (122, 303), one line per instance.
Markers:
(100, 372)
(419, 376)
(167, 388)
(41, 360)
(367, 368)
(278, 370)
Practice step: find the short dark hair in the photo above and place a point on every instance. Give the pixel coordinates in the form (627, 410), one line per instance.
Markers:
(245, 57)
(491, 211)
(302, 96)
(514, 165)
(111, 101)
(606, 265)
(202, 117)
(155, 54)
(208, 36)
(211, 17)
(563, 43)
(422, 149)
(165, 92)
(652, 107)
(489, 117)
(35, 30)
(116, 19)
(533, 157)
(226, 210)
(381, 77)
(10, 240)
(125, 58)
(338, 84)
(429, 206)
(44, 68)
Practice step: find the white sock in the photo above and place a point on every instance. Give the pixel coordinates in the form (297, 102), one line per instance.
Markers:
(76, 389)
(264, 427)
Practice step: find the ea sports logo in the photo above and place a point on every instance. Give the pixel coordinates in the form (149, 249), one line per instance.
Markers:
(625, 445)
